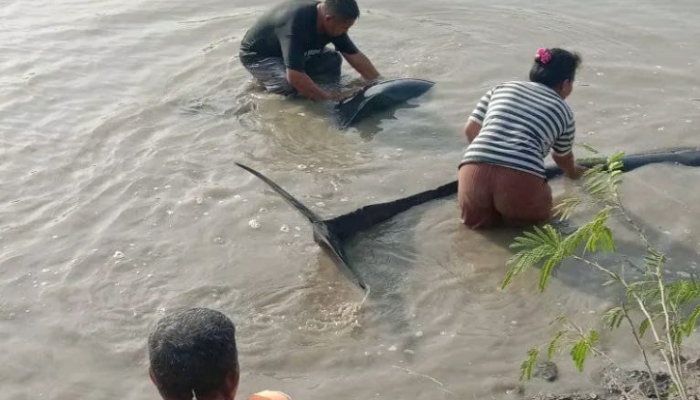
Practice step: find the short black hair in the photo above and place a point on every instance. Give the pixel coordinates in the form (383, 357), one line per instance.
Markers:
(560, 66)
(343, 9)
(192, 352)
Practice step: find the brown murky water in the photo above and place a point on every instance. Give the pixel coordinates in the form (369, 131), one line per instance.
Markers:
(120, 123)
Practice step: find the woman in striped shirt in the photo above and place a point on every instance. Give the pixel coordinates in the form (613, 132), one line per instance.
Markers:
(513, 128)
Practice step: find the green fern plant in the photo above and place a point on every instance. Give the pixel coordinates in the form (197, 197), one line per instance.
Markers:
(666, 308)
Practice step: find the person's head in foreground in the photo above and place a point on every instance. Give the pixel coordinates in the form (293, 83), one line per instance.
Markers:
(193, 355)
(556, 68)
(338, 16)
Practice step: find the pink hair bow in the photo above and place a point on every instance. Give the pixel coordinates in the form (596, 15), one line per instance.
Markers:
(543, 55)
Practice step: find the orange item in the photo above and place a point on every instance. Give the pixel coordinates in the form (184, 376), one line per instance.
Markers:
(269, 395)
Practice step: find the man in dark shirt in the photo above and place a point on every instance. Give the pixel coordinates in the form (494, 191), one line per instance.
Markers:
(286, 49)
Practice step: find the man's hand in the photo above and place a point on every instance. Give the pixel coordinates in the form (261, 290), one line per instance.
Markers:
(360, 83)
(306, 86)
(340, 96)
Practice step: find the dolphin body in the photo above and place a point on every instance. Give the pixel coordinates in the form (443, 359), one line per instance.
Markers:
(331, 234)
(379, 96)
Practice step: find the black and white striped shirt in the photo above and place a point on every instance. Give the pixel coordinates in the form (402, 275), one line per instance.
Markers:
(520, 123)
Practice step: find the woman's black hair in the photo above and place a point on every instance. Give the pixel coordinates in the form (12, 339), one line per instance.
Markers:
(555, 66)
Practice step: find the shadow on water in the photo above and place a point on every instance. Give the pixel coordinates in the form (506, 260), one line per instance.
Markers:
(386, 258)
(386, 255)
(241, 103)
(386, 280)
(627, 260)
(370, 124)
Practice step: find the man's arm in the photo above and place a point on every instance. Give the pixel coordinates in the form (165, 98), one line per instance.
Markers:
(362, 65)
(293, 44)
(293, 54)
(355, 57)
(306, 86)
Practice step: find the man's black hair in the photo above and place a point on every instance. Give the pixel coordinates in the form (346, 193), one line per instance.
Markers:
(343, 9)
(192, 352)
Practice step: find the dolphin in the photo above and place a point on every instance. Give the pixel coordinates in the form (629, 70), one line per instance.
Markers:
(379, 96)
(332, 234)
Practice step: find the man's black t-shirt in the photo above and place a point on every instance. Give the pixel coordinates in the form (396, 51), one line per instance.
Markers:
(289, 31)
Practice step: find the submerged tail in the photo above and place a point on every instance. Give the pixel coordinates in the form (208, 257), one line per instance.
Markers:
(310, 215)
(347, 225)
(331, 233)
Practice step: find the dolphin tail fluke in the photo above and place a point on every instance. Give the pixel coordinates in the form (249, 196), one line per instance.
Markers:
(323, 234)
(310, 215)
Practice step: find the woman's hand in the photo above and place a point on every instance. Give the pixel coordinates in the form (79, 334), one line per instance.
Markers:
(568, 166)
(577, 172)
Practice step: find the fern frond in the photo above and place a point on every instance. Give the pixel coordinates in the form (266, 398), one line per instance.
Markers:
(582, 349)
(546, 274)
(529, 363)
(589, 148)
(654, 260)
(683, 292)
(643, 327)
(552, 347)
(566, 208)
(542, 245)
(613, 318)
(689, 325)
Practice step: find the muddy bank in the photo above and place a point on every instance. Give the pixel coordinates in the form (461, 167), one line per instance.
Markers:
(624, 384)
